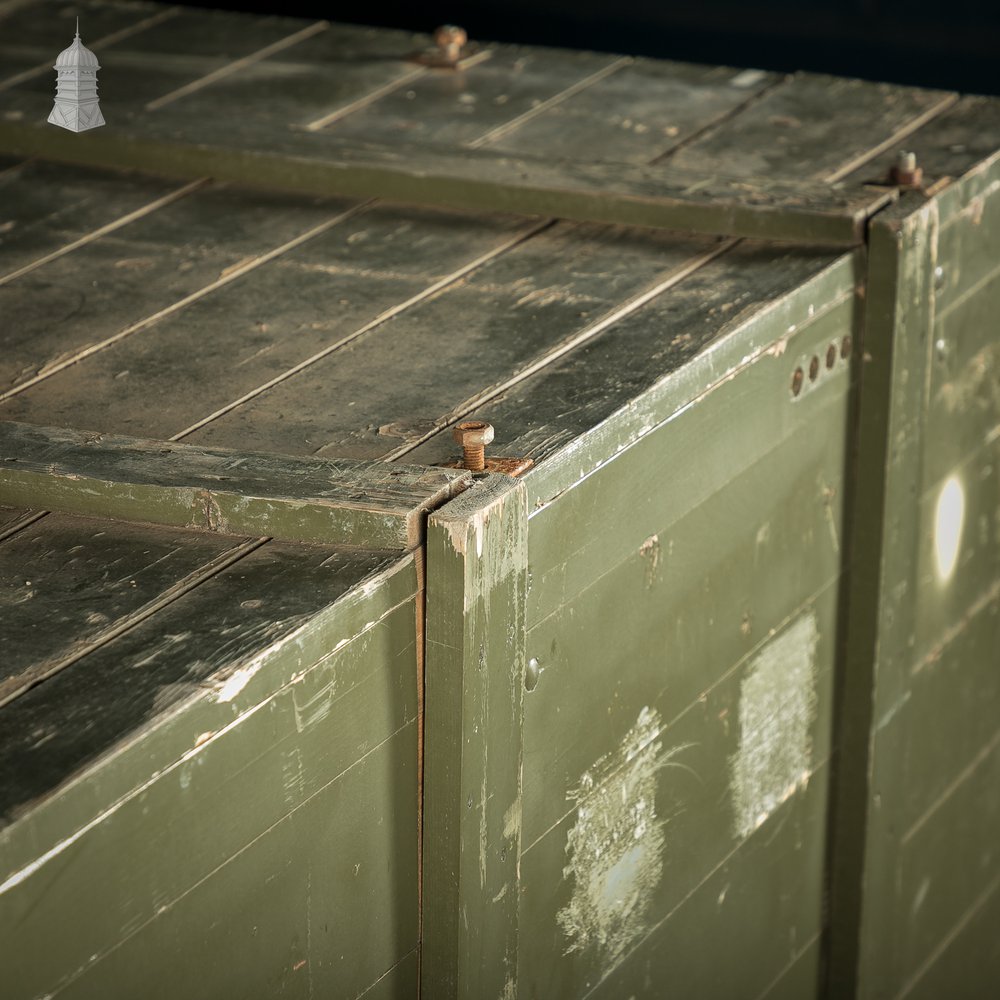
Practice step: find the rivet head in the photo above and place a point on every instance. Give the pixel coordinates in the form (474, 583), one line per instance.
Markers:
(531, 674)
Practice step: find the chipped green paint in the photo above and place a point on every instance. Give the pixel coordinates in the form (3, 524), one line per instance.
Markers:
(776, 715)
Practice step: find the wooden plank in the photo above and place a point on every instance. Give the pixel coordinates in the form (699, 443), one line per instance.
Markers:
(126, 572)
(688, 605)
(32, 34)
(743, 950)
(46, 208)
(312, 923)
(635, 115)
(663, 354)
(313, 500)
(514, 312)
(246, 674)
(246, 338)
(659, 197)
(293, 820)
(459, 108)
(477, 578)
(659, 812)
(812, 126)
(160, 263)
(188, 650)
(967, 963)
(700, 445)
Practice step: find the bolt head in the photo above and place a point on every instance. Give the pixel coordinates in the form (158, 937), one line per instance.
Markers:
(450, 34)
(471, 433)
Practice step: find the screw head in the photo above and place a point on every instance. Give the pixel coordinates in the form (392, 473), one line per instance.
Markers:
(473, 433)
(450, 34)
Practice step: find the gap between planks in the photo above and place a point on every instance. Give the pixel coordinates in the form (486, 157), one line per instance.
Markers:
(945, 943)
(229, 275)
(115, 36)
(381, 318)
(366, 101)
(716, 868)
(171, 594)
(238, 64)
(24, 521)
(29, 870)
(104, 230)
(953, 786)
(758, 647)
(567, 346)
(555, 99)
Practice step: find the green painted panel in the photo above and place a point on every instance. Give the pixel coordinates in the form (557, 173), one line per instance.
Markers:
(401, 982)
(964, 396)
(682, 612)
(318, 905)
(474, 681)
(192, 676)
(945, 861)
(959, 550)
(704, 446)
(967, 965)
(211, 830)
(731, 930)
(945, 696)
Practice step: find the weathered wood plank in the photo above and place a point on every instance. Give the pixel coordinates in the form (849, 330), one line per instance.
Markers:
(407, 379)
(32, 34)
(125, 573)
(191, 649)
(688, 605)
(477, 577)
(303, 840)
(744, 951)
(244, 339)
(634, 115)
(812, 126)
(313, 500)
(47, 207)
(659, 196)
(668, 803)
(701, 445)
(160, 263)
(663, 354)
(247, 673)
(453, 108)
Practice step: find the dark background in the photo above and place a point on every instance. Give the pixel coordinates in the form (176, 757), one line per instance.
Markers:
(954, 44)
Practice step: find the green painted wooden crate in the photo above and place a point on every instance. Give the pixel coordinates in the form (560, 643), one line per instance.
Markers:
(702, 703)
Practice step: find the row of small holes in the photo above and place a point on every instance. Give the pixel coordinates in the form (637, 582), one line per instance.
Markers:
(798, 377)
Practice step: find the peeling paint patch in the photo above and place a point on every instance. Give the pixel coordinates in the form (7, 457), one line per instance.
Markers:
(615, 849)
(777, 709)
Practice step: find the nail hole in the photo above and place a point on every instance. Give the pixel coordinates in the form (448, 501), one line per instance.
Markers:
(845, 347)
(813, 368)
(831, 355)
(797, 382)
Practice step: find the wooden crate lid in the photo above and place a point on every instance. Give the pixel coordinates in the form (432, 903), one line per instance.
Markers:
(342, 109)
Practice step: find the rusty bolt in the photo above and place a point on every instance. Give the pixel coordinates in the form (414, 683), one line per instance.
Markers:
(473, 436)
(905, 170)
(449, 38)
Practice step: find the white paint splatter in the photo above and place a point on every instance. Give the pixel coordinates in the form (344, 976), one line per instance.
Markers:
(777, 709)
(615, 849)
